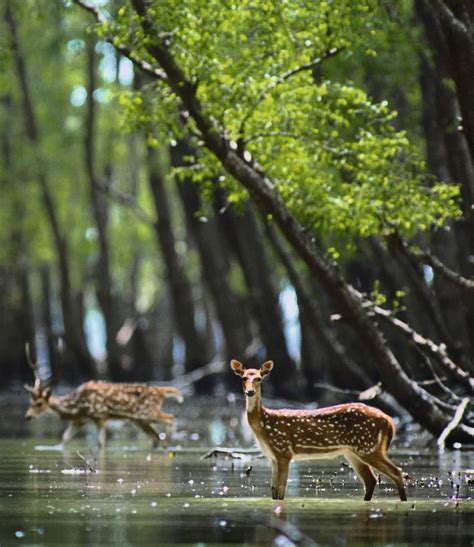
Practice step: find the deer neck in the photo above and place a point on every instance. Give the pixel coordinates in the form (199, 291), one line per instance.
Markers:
(59, 404)
(254, 409)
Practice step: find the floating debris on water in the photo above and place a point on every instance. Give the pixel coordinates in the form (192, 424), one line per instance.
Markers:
(38, 471)
(50, 448)
(78, 471)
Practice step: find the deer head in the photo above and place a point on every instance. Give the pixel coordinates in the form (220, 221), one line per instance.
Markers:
(41, 390)
(251, 377)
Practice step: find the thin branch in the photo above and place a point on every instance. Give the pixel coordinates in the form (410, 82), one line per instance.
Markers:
(124, 50)
(436, 379)
(283, 78)
(268, 134)
(439, 267)
(458, 416)
(217, 366)
(128, 201)
(214, 367)
(438, 350)
(308, 304)
(93, 10)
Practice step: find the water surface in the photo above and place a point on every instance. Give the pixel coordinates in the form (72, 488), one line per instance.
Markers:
(130, 495)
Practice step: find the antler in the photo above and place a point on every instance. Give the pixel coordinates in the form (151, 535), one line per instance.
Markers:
(54, 377)
(34, 366)
(56, 374)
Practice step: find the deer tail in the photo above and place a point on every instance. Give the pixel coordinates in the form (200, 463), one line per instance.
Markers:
(390, 433)
(174, 393)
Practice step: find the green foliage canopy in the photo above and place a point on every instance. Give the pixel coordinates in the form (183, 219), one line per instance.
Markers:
(259, 67)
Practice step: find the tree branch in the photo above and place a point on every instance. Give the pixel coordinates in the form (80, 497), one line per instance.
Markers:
(282, 78)
(438, 266)
(124, 50)
(458, 416)
(438, 350)
(128, 201)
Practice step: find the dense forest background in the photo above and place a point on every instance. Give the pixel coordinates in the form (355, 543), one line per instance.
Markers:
(187, 182)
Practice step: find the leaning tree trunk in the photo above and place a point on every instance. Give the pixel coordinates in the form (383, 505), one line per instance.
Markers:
(16, 309)
(74, 333)
(262, 190)
(343, 370)
(111, 310)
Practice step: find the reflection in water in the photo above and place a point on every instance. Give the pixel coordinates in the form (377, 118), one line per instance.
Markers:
(138, 497)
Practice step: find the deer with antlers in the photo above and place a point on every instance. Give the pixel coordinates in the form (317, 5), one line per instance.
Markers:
(358, 432)
(99, 402)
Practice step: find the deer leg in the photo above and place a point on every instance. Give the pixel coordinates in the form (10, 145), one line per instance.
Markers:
(167, 419)
(274, 479)
(365, 474)
(102, 432)
(71, 430)
(385, 466)
(148, 429)
(283, 467)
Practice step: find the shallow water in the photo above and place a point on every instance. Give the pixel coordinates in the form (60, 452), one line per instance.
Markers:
(129, 495)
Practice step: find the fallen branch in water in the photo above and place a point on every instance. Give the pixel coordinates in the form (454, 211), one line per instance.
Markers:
(458, 416)
(234, 454)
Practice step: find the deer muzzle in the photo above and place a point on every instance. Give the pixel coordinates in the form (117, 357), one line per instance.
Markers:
(29, 414)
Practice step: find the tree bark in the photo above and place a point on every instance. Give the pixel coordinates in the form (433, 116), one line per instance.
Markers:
(343, 370)
(242, 234)
(178, 282)
(230, 308)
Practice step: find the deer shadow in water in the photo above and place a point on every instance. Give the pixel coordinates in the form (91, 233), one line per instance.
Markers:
(360, 433)
(99, 402)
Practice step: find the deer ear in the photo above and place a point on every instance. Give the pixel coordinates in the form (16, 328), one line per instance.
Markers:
(28, 388)
(237, 367)
(266, 368)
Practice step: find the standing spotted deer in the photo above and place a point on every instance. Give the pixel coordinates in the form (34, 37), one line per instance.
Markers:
(358, 432)
(98, 402)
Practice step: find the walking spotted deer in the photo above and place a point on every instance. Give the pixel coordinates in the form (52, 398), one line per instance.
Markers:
(99, 402)
(358, 432)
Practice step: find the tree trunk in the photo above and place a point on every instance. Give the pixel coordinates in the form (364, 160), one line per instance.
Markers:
(111, 310)
(180, 288)
(74, 333)
(242, 233)
(215, 268)
(343, 370)
(449, 158)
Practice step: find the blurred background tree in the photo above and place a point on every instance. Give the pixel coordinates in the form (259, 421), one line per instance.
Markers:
(132, 133)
